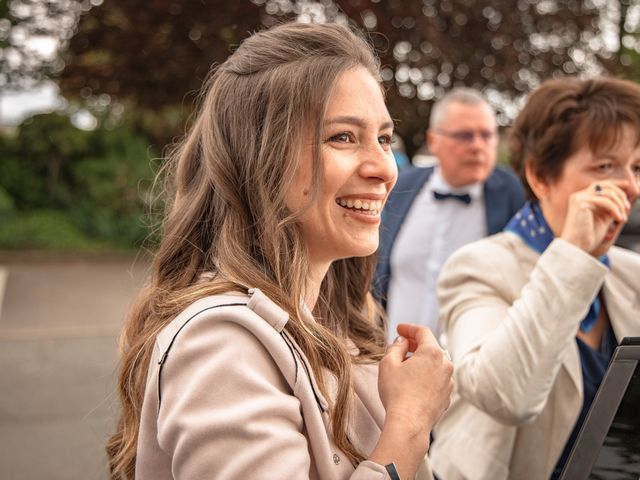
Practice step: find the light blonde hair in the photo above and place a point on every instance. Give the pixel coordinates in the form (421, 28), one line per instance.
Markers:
(227, 216)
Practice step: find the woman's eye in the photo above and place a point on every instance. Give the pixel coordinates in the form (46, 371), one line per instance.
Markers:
(604, 167)
(636, 170)
(385, 140)
(343, 137)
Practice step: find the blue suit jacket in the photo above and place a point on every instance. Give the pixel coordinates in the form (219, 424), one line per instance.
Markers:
(503, 197)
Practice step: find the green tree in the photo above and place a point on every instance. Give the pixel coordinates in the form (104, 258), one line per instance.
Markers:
(24, 24)
(36, 168)
(626, 59)
(111, 198)
(97, 182)
(154, 55)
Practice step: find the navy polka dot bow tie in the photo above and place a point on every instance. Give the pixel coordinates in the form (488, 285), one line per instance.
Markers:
(461, 197)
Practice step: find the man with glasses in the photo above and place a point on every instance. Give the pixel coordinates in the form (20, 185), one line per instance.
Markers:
(433, 211)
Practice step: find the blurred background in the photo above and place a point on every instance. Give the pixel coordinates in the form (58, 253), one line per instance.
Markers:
(93, 91)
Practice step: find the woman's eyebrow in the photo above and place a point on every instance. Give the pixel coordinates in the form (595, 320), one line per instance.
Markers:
(352, 120)
(605, 156)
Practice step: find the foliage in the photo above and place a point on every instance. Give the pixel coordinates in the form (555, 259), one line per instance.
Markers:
(111, 184)
(626, 61)
(502, 46)
(45, 229)
(36, 168)
(98, 181)
(170, 47)
(26, 25)
(7, 205)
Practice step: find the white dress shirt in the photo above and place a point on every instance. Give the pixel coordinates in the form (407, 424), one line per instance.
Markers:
(431, 232)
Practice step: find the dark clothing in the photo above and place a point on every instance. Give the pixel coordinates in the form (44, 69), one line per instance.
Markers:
(594, 365)
(503, 196)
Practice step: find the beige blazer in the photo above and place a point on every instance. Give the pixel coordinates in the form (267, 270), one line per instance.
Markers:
(230, 395)
(511, 317)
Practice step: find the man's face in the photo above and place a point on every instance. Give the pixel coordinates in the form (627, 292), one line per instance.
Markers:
(465, 143)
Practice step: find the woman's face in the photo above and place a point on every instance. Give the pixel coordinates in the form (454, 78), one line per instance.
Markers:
(620, 165)
(358, 172)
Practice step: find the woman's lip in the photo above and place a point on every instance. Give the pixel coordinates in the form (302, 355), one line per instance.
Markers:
(364, 196)
(362, 216)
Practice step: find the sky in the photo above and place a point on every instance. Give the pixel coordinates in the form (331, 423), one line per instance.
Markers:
(16, 106)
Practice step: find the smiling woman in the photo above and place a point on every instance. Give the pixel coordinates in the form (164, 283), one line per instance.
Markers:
(358, 170)
(256, 350)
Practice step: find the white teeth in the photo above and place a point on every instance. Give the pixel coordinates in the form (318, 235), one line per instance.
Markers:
(373, 206)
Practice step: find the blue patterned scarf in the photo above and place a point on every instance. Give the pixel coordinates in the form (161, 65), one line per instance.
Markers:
(529, 224)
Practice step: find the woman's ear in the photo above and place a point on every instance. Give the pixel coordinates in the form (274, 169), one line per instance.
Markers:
(539, 185)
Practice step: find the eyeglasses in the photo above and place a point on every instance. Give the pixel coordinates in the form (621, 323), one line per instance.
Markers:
(467, 136)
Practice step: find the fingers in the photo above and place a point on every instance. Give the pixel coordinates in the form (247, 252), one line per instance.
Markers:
(618, 204)
(416, 389)
(596, 215)
(416, 335)
(608, 208)
(397, 351)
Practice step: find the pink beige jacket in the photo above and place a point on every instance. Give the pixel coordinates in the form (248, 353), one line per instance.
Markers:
(230, 395)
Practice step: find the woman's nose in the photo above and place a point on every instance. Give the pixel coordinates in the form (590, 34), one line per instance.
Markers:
(631, 185)
(378, 163)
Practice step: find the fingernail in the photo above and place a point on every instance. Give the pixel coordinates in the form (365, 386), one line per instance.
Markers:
(399, 339)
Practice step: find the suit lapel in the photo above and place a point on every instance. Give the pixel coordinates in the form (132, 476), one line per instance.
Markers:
(623, 307)
(571, 364)
(404, 193)
(495, 206)
(395, 211)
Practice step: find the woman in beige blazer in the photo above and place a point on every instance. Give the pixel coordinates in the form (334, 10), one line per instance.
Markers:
(532, 315)
(253, 352)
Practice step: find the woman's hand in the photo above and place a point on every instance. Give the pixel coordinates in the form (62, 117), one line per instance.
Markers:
(415, 391)
(595, 216)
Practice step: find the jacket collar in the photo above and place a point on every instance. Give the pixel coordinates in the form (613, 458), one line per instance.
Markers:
(267, 309)
(622, 304)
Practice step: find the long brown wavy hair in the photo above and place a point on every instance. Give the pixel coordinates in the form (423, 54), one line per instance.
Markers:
(226, 215)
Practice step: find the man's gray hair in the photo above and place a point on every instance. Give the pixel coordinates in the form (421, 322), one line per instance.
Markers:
(464, 95)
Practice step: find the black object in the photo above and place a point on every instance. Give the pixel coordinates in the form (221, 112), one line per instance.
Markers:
(392, 471)
(461, 197)
(608, 445)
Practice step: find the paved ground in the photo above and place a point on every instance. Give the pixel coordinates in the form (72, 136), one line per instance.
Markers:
(59, 323)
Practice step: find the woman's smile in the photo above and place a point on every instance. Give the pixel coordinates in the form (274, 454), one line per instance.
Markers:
(342, 218)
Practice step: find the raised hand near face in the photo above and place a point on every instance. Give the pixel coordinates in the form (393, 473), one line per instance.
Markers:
(596, 215)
